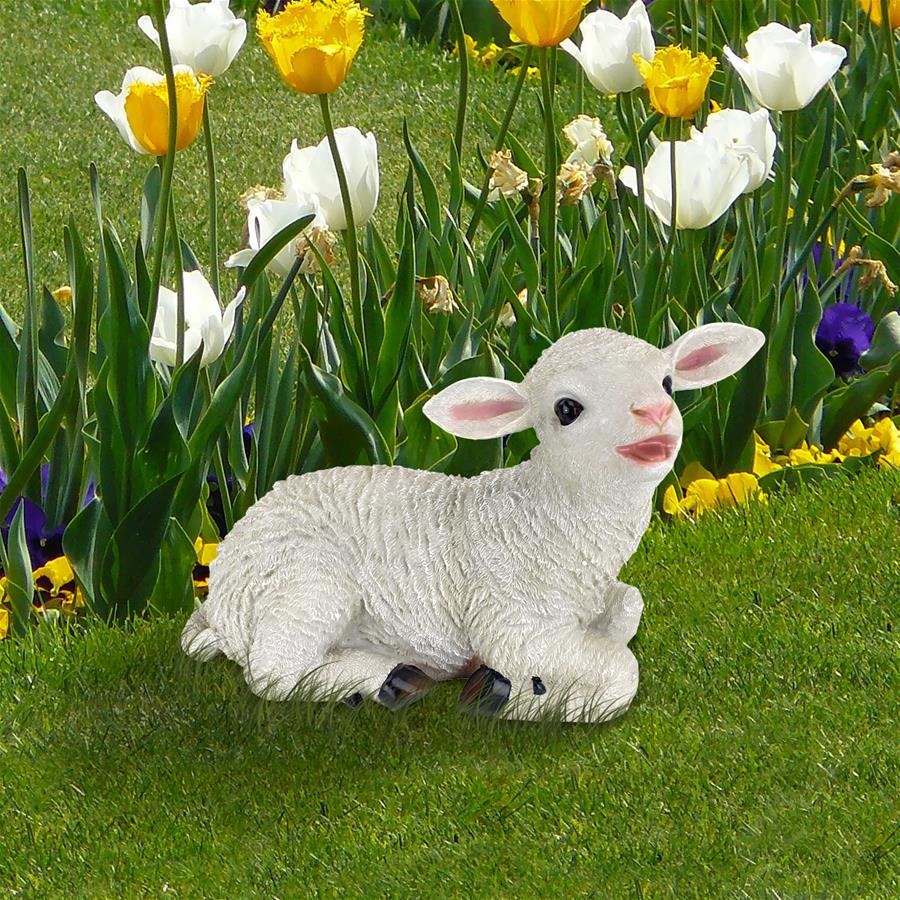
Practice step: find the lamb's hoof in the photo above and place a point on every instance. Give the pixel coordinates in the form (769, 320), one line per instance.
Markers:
(404, 685)
(485, 691)
(354, 701)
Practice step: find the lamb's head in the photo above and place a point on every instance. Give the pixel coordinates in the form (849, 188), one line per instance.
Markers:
(599, 399)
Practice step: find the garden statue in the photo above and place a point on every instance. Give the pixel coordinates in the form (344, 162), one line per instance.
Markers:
(375, 581)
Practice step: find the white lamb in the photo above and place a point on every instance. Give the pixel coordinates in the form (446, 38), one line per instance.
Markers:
(375, 582)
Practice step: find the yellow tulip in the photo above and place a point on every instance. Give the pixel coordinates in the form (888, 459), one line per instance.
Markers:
(873, 8)
(147, 111)
(313, 42)
(541, 23)
(676, 80)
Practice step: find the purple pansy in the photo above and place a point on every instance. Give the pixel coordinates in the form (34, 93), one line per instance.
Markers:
(844, 334)
(43, 543)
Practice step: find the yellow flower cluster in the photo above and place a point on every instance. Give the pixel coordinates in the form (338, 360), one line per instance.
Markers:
(55, 588)
(702, 491)
(489, 54)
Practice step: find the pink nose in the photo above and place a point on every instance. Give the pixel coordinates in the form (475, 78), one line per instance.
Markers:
(657, 413)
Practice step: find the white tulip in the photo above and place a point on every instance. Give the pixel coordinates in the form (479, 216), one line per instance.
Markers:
(783, 71)
(709, 178)
(608, 45)
(310, 171)
(265, 218)
(750, 134)
(204, 36)
(204, 322)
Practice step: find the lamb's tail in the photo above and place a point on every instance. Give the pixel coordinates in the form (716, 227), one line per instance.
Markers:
(198, 640)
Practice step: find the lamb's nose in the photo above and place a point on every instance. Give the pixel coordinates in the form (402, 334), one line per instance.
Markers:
(657, 413)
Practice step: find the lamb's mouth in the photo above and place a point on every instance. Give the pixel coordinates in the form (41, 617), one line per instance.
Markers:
(650, 451)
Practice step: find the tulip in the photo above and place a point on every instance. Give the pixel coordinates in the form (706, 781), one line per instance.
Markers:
(265, 218)
(313, 42)
(204, 322)
(141, 109)
(311, 171)
(750, 134)
(676, 80)
(204, 36)
(873, 8)
(608, 47)
(709, 178)
(783, 71)
(541, 23)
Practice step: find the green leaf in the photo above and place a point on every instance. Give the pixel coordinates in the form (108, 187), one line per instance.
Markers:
(885, 342)
(87, 531)
(813, 374)
(430, 199)
(801, 476)
(173, 592)
(17, 568)
(843, 407)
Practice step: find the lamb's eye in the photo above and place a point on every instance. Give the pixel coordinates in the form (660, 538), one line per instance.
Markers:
(667, 384)
(567, 410)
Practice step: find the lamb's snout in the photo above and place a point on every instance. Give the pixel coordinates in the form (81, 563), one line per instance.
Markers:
(657, 413)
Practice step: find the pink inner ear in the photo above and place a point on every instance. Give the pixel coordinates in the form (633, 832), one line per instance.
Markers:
(696, 359)
(487, 409)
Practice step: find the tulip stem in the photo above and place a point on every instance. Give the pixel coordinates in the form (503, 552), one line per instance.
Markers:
(463, 54)
(167, 163)
(350, 239)
(667, 262)
(789, 119)
(695, 26)
(887, 34)
(637, 156)
(179, 283)
(752, 249)
(498, 143)
(212, 204)
(551, 164)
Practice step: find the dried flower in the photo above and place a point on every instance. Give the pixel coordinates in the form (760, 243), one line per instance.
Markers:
(884, 180)
(260, 193)
(323, 240)
(591, 144)
(436, 294)
(507, 179)
(575, 180)
(872, 270)
(507, 317)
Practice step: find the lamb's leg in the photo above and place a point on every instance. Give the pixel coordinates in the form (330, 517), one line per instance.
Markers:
(621, 614)
(354, 675)
(567, 671)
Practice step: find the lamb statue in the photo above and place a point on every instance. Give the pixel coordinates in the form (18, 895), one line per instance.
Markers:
(377, 581)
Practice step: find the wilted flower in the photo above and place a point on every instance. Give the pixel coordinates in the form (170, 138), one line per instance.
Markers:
(204, 322)
(507, 179)
(313, 42)
(507, 317)
(310, 171)
(540, 23)
(260, 193)
(323, 241)
(141, 109)
(884, 181)
(265, 218)
(574, 180)
(843, 335)
(873, 8)
(750, 134)
(204, 36)
(609, 45)
(873, 270)
(709, 178)
(435, 293)
(783, 70)
(591, 144)
(676, 80)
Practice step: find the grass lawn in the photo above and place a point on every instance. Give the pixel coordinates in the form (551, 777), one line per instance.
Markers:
(55, 56)
(760, 757)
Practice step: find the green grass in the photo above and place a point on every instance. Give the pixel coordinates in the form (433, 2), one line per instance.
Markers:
(55, 56)
(760, 757)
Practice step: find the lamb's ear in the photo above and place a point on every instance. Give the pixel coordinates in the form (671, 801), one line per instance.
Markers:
(480, 408)
(710, 353)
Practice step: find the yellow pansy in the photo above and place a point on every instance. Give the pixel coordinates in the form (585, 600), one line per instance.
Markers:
(541, 23)
(762, 458)
(676, 80)
(693, 471)
(873, 8)
(313, 42)
(56, 587)
(703, 494)
(206, 551)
